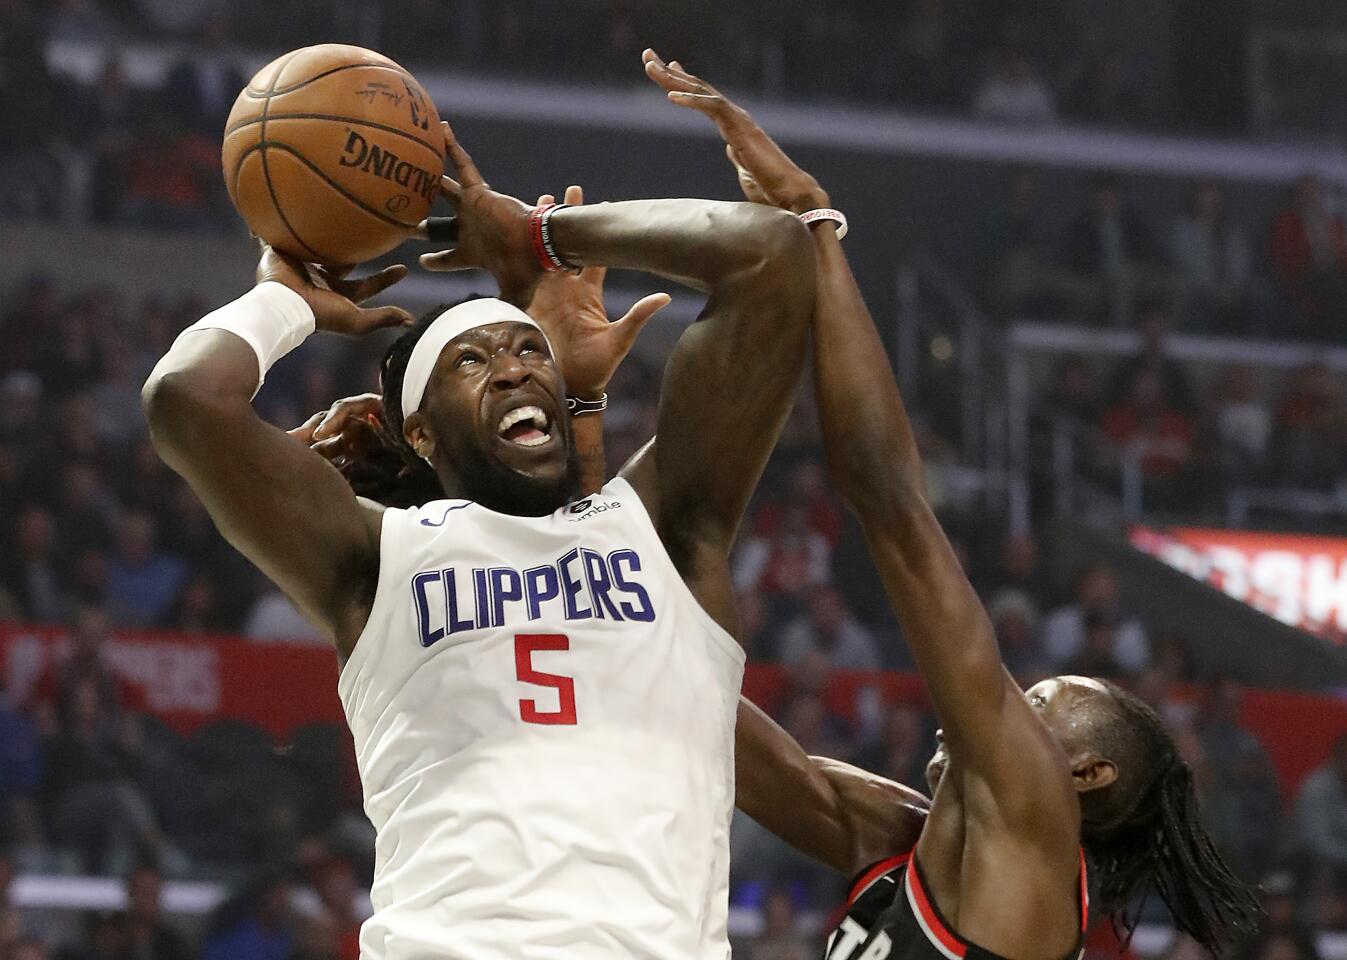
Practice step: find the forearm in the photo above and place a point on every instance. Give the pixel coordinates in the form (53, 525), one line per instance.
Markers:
(838, 814)
(588, 439)
(871, 451)
(701, 243)
(875, 465)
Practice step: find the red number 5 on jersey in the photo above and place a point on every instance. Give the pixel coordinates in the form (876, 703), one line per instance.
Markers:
(525, 646)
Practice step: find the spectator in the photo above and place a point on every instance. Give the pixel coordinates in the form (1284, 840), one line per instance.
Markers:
(116, 398)
(1213, 261)
(1110, 245)
(1307, 243)
(28, 322)
(1154, 356)
(253, 925)
(173, 176)
(901, 749)
(30, 568)
(1158, 435)
(148, 937)
(1243, 424)
(144, 581)
(96, 809)
(1020, 260)
(807, 486)
(20, 781)
(1310, 428)
(793, 558)
(1096, 593)
(108, 119)
(1240, 780)
(87, 509)
(1015, 93)
(1015, 620)
(1321, 819)
(781, 937)
(818, 730)
(1098, 656)
(1074, 393)
(829, 629)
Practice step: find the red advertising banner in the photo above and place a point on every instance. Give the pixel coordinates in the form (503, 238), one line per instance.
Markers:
(1300, 580)
(191, 679)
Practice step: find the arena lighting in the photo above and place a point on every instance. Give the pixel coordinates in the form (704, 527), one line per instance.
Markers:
(1300, 580)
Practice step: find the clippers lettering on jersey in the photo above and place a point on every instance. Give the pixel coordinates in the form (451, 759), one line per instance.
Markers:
(582, 584)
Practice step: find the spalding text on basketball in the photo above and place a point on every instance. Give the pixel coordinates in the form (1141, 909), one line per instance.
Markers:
(381, 162)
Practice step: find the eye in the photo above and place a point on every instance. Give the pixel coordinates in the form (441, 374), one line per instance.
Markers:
(466, 359)
(529, 346)
(1038, 700)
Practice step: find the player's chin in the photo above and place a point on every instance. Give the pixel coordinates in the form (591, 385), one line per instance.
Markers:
(544, 462)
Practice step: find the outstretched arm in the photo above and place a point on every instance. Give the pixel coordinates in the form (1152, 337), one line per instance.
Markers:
(989, 728)
(283, 506)
(729, 384)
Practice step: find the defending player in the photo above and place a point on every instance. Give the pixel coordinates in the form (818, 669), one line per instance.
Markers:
(542, 696)
(1020, 781)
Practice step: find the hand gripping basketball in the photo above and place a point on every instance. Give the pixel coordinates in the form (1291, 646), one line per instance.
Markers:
(334, 299)
(493, 229)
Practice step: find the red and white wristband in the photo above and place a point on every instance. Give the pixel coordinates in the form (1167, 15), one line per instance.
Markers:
(812, 217)
(540, 234)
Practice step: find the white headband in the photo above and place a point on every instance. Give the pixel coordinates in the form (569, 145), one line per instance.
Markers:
(446, 328)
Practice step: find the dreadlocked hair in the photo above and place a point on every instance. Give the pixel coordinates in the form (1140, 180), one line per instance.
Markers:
(391, 473)
(1145, 833)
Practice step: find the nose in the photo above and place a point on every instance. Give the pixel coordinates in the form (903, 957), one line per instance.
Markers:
(508, 371)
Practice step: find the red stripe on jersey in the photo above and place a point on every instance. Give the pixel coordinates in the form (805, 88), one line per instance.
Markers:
(874, 873)
(930, 920)
(1084, 896)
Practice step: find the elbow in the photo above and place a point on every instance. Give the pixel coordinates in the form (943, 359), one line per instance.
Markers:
(172, 407)
(787, 252)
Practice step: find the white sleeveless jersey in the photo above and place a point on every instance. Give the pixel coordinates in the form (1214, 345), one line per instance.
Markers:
(544, 725)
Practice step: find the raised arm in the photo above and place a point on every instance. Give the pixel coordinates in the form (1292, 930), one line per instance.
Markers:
(280, 504)
(989, 728)
(729, 384)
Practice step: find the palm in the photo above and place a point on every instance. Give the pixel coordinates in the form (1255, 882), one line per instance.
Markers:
(570, 309)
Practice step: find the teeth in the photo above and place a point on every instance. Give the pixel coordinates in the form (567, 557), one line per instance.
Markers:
(520, 414)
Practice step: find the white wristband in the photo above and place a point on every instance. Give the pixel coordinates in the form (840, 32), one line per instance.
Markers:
(271, 318)
(827, 213)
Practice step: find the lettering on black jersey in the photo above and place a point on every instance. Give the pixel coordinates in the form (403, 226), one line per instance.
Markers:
(582, 584)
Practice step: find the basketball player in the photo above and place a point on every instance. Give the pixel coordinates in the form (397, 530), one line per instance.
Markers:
(1024, 785)
(541, 691)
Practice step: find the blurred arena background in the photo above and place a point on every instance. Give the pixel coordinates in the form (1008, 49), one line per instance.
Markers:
(1107, 245)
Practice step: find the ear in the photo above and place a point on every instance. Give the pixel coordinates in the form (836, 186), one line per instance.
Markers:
(1093, 773)
(416, 432)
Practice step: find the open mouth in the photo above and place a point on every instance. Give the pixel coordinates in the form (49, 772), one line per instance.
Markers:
(525, 427)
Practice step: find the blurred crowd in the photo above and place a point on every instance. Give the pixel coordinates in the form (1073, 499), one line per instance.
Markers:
(1174, 62)
(99, 534)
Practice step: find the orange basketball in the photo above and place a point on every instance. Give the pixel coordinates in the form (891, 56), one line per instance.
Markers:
(333, 153)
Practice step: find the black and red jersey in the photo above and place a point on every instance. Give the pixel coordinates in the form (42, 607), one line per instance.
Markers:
(891, 916)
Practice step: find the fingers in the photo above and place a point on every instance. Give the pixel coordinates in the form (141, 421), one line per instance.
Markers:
(575, 195)
(305, 431)
(468, 174)
(629, 327)
(594, 276)
(545, 199)
(377, 318)
(445, 261)
(658, 71)
(376, 283)
(346, 410)
(450, 188)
